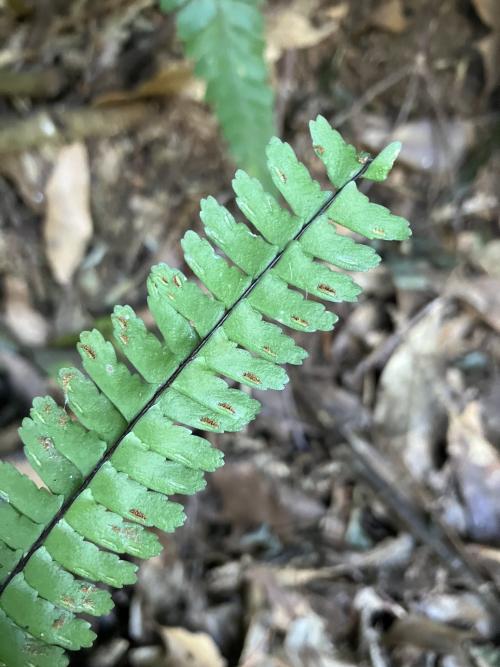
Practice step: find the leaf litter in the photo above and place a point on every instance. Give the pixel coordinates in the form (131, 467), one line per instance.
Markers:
(299, 552)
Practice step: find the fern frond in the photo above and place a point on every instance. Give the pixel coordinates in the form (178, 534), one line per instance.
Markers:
(124, 442)
(225, 38)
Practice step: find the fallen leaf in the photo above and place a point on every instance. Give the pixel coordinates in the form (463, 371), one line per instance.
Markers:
(390, 16)
(190, 649)
(427, 145)
(27, 324)
(457, 608)
(251, 498)
(20, 462)
(477, 468)
(488, 12)
(68, 223)
(482, 294)
(290, 26)
(409, 415)
(283, 628)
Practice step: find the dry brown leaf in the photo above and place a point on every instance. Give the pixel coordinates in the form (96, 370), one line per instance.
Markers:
(68, 223)
(283, 628)
(409, 413)
(27, 324)
(390, 16)
(489, 12)
(290, 27)
(190, 649)
(477, 467)
(251, 498)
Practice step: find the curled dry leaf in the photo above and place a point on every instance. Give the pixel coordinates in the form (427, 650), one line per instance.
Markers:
(68, 223)
(477, 468)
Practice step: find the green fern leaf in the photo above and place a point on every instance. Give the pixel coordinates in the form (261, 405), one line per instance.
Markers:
(124, 441)
(225, 40)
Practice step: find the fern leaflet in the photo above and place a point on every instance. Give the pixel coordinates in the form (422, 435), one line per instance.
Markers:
(111, 459)
(225, 40)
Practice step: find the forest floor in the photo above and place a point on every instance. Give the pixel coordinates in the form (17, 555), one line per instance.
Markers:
(357, 520)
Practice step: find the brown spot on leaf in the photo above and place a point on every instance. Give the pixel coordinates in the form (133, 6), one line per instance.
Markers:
(88, 351)
(319, 149)
(362, 159)
(281, 176)
(68, 600)
(164, 280)
(268, 350)
(124, 339)
(378, 231)
(177, 281)
(63, 420)
(227, 407)
(300, 321)
(85, 589)
(88, 604)
(58, 623)
(209, 421)
(46, 442)
(122, 321)
(137, 513)
(66, 379)
(252, 377)
(323, 287)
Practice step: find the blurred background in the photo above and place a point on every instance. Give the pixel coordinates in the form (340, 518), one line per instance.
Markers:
(357, 521)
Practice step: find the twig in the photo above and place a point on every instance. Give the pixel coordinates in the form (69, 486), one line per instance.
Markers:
(36, 83)
(379, 355)
(63, 125)
(421, 523)
(372, 93)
